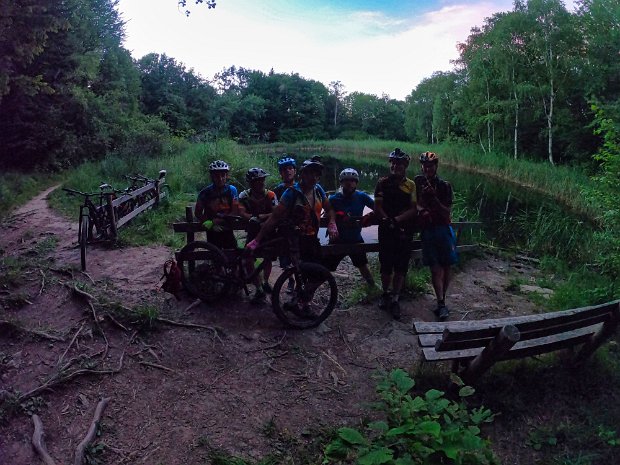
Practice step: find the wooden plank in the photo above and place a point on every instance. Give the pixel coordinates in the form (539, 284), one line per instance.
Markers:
(136, 211)
(422, 327)
(520, 349)
(133, 194)
(240, 225)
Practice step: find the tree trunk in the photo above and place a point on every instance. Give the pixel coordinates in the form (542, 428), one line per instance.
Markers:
(550, 123)
(516, 128)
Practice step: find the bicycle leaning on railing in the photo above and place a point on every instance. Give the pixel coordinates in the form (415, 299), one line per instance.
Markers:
(95, 223)
(210, 273)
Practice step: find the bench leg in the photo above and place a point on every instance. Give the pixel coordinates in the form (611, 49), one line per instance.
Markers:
(595, 341)
(503, 342)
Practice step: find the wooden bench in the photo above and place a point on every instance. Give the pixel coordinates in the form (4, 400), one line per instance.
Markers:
(474, 346)
(190, 227)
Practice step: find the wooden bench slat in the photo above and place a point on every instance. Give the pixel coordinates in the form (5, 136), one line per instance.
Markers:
(424, 327)
(520, 349)
(481, 337)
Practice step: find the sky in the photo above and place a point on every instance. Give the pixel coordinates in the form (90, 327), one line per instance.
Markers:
(376, 47)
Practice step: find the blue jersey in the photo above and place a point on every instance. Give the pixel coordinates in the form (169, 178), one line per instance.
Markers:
(352, 205)
(216, 201)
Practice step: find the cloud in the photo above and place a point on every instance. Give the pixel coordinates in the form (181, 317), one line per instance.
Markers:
(368, 51)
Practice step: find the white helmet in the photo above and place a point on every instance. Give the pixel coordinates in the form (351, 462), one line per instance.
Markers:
(348, 173)
(219, 165)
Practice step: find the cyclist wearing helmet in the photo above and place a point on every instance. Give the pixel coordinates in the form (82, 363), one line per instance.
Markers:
(287, 166)
(438, 240)
(256, 205)
(214, 201)
(301, 207)
(347, 203)
(395, 206)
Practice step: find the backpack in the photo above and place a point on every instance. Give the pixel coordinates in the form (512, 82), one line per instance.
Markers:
(172, 278)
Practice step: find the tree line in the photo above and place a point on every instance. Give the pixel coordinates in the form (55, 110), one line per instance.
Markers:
(526, 81)
(524, 84)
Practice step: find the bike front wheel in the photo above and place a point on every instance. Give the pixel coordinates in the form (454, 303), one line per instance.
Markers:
(304, 297)
(203, 268)
(83, 239)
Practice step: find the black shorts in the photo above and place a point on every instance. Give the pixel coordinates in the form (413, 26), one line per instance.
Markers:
(223, 239)
(331, 262)
(394, 250)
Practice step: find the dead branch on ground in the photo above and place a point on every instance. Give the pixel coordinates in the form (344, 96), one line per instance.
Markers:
(21, 329)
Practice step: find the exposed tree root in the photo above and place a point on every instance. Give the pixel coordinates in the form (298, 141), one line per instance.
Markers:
(38, 441)
(92, 431)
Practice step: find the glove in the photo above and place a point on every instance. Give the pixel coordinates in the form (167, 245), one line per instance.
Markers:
(332, 230)
(252, 245)
(367, 219)
(208, 224)
(389, 223)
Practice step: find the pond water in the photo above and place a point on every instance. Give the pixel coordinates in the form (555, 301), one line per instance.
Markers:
(512, 216)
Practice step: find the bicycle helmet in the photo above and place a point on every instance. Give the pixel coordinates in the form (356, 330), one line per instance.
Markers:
(398, 154)
(314, 162)
(255, 173)
(349, 173)
(286, 161)
(429, 157)
(219, 165)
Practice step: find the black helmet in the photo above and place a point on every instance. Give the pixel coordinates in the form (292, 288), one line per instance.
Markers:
(219, 165)
(285, 161)
(314, 161)
(398, 154)
(429, 157)
(255, 173)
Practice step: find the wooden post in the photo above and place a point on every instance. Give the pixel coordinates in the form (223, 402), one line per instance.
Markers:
(111, 215)
(595, 341)
(189, 217)
(156, 192)
(507, 337)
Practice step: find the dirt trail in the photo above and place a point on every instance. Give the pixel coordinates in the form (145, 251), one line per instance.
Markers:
(179, 388)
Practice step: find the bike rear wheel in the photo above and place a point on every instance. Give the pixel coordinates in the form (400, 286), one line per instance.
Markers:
(312, 299)
(203, 267)
(83, 239)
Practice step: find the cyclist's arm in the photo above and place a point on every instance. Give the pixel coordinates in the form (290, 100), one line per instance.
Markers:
(379, 208)
(200, 211)
(407, 214)
(278, 214)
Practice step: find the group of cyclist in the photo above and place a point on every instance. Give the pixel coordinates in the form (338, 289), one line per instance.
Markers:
(294, 207)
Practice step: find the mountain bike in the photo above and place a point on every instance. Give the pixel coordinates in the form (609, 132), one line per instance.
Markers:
(211, 273)
(95, 221)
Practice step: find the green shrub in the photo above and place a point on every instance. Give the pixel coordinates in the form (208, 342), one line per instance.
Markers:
(416, 430)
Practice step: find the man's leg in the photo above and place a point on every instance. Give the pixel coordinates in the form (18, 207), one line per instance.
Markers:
(386, 281)
(367, 275)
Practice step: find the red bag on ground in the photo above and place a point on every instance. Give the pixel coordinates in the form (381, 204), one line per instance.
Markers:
(172, 278)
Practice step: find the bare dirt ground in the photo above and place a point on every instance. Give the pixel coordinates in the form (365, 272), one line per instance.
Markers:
(173, 389)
